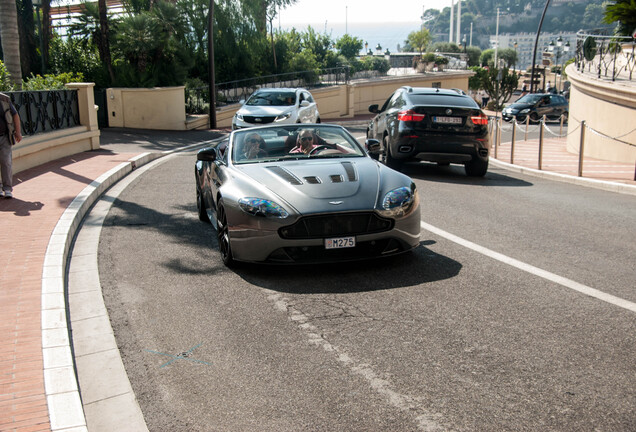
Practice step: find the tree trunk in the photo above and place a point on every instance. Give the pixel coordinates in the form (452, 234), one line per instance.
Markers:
(28, 43)
(46, 32)
(104, 45)
(11, 40)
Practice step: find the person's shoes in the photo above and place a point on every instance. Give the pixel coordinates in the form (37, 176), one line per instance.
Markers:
(8, 194)
(1, 193)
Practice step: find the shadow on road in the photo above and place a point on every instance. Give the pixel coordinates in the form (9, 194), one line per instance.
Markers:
(455, 174)
(410, 269)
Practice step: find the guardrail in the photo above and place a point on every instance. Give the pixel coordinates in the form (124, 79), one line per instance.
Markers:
(198, 99)
(46, 111)
(496, 127)
(606, 56)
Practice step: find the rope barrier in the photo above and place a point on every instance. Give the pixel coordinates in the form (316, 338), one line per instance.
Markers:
(601, 134)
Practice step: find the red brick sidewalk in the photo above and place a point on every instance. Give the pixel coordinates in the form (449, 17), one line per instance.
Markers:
(42, 194)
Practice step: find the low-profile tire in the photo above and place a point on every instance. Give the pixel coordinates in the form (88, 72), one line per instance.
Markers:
(388, 159)
(203, 214)
(223, 235)
(476, 167)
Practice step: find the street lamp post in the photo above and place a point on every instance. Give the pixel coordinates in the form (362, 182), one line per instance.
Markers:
(366, 48)
(515, 63)
(558, 49)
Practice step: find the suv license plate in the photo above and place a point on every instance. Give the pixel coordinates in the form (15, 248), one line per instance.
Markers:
(340, 242)
(448, 120)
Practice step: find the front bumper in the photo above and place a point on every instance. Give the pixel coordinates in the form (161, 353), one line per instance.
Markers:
(259, 241)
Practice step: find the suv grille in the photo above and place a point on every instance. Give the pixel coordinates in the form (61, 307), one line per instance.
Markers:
(259, 119)
(336, 225)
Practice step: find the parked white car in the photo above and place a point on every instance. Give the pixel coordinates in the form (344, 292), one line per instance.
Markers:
(278, 106)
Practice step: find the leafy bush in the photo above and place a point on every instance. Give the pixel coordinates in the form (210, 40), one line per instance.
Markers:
(5, 78)
(51, 82)
(429, 58)
(441, 60)
(375, 63)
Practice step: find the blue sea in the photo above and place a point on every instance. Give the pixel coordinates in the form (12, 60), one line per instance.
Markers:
(388, 35)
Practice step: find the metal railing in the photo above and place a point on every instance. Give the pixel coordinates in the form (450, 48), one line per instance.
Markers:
(495, 128)
(606, 56)
(198, 99)
(45, 111)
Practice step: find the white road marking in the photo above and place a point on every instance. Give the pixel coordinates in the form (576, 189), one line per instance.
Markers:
(425, 421)
(568, 283)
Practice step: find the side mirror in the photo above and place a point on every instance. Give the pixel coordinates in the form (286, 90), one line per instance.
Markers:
(305, 103)
(374, 108)
(207, 155)
(242, 102)
(374, 147)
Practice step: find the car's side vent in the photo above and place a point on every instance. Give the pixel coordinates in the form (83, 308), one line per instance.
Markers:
(336, 178)
(350, 170)
(282, 172)
(313, 180)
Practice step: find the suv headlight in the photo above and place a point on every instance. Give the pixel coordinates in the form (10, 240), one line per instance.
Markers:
(283, 116)
(524, 111)
(239, 116)
(262, 207)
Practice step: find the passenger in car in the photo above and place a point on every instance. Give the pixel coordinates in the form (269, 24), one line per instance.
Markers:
(252, 147)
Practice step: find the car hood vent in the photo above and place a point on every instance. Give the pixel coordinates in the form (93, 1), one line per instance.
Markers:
(336, 178)
(313, 180)
(282, 172)
(350, 170)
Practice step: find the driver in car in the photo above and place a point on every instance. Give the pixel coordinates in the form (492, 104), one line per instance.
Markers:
(305, 142)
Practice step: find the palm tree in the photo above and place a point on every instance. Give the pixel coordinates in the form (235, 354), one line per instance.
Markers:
(11, 40)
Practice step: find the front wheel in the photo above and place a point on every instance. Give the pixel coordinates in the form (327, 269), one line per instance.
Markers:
(223, 235)
(476, 167)
(203, 214)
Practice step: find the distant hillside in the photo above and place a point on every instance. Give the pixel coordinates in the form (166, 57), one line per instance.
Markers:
(517, 17)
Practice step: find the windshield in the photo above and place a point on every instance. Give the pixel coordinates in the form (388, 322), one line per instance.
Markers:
(268, 144)
(287, 98)
(530, 99)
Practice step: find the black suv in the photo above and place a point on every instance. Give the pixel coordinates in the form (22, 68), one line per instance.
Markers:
(536, 105)
(430, 124)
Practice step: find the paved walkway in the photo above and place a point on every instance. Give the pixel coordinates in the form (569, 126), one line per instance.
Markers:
(32, 309)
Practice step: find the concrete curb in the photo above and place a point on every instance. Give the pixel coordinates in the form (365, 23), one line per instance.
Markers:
(60, 381)
(581, 181)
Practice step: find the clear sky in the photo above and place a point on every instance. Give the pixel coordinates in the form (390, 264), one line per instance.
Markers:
(357, 11)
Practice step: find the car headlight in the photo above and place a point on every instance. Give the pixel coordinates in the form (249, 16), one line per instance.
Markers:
(283, 116)
(262, 207)
(524, 111)
(398, 201)
(238, 116)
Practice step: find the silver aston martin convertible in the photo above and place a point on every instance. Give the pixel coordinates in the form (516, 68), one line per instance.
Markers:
(304, 194)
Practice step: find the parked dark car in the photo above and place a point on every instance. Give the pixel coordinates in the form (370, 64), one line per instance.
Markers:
(434, 125)
(536, 105)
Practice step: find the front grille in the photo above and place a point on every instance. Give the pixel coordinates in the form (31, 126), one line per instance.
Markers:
(258, 119)
(333, 225)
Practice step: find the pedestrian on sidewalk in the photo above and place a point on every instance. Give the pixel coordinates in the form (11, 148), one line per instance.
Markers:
(10, 134)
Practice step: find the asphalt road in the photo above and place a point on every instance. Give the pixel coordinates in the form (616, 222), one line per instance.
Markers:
(483, 328)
